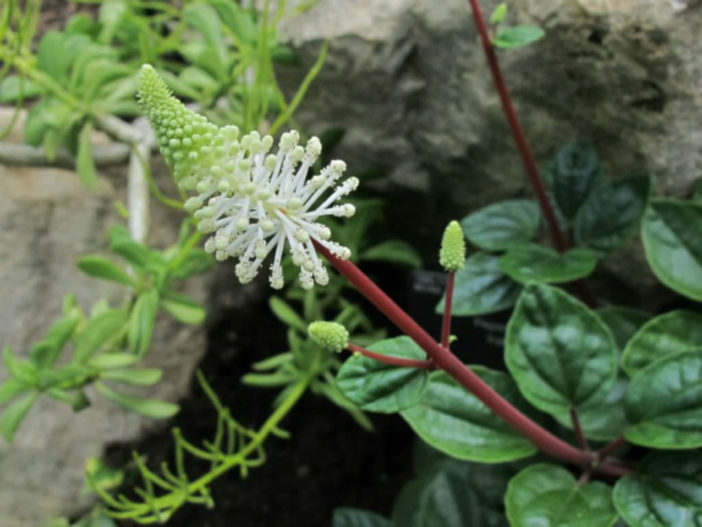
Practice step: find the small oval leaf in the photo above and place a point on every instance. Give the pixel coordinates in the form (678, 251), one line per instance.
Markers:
(536, 263)
(499, 226)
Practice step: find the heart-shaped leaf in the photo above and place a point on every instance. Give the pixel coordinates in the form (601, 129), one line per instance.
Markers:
(661, 337)
(456, 422)
(379, 387)
(559, 352)
(536, 263)
(497, 227)
(671, 236)
(572, 175)
(548, 495)
(611, 214)
(664, 403)
(664, 492)
(481, 288)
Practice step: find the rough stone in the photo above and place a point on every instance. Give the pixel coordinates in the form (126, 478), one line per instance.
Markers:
(407, 81)
(47, 220)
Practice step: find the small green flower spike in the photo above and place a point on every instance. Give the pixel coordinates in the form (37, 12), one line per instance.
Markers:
(252, 202)
(330, 335)
(452, 255)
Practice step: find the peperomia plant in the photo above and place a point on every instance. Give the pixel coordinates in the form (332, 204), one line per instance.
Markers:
(611, 377)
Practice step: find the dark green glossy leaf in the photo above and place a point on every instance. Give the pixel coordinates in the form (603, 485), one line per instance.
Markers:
(611, 213)
(454, 421)
(441, 498)
(12, 417)
(379, 387)
(623, 321)
(497, 227)
(141, 322)
(548, 495)
(348, 517)
(517, 36)
(537, 263)
(572, 175)
(394, 251)
(100, 267)
(481, 288)
(664, 403)
(148, 407)
(671, 236)
(605, 420)
(85, 166)
(666, 492)
(183, 308)
(661, 337)
(559, 352)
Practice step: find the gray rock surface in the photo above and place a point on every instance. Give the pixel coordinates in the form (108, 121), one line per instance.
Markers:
(408, 82)
(47, 220)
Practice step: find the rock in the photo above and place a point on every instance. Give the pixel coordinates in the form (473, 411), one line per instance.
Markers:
(47, 220)
(408, 82)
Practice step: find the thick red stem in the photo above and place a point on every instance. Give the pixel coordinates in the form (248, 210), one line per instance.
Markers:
(557, 235)
(446, 322)
(445, 360)
(393, 361)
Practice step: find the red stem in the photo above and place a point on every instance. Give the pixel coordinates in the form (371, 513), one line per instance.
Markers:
(393, 361)
(611, 447)
(444, 359)
(446, 322)
(579, 435)
(557, 236)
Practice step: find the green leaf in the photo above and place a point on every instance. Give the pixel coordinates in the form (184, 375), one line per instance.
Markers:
(97, 332)
(10, 389)
(536, 263)
(197, 261)
(183, 308)
(141, 322)
(572, 175)
(559, 352)
(661, 337)
(84, 159)
(204, 18)
(287, 314)
(14, 414)
(605, 420)
(148, 407)
(481, 288)
(665, 492)
(133, 252)
(22, 370)
(548, 495)
(498, 227)
(393, 251)
(349, 517)
(52, 57)
(454, 421)
(498, 14)
(623, 321)
(380, 387)
(664, 403)
(671, 236)
(100, 267)
(108, 361)
(517, 36)
(441, 498)
(611, 213)
(13, 88)
(45, 352)
(143, 377)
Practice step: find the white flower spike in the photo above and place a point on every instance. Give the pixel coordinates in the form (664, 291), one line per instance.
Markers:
(252, 202)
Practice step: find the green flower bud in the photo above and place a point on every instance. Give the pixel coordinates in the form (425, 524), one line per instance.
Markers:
(329, 335)
(452, 255)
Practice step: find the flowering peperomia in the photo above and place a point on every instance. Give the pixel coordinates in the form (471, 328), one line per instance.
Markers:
(252, 201)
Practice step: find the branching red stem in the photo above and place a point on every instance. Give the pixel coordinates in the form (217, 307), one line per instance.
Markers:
(559, 239)
(446, 322)
(611, 447)
(580, 436)
(393, 361)
(445, 360)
